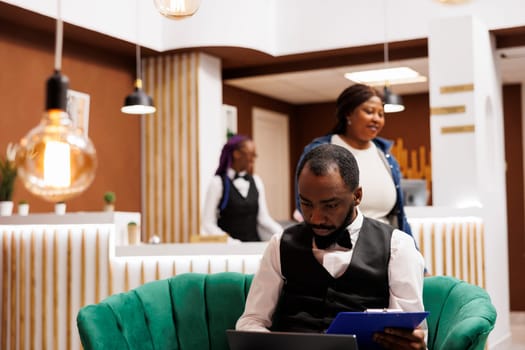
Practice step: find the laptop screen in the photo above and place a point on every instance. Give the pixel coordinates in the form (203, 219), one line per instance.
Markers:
(248, 340)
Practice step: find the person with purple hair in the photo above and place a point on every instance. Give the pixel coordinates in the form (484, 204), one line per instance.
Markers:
(235, 202)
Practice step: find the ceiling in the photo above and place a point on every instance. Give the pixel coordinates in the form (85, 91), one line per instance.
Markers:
(325, 84)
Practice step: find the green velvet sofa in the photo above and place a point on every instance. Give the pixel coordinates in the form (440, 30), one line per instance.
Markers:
(192, 311)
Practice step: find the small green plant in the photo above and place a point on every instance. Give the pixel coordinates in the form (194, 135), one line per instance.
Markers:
(132, 223)
(22, 201)
(8, 174)
(110, 197)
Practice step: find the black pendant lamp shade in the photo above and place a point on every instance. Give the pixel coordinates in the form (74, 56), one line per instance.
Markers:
(138, 102)
(392, 102)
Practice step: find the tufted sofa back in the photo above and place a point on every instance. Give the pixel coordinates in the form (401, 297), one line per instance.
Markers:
(192, 311)
(461, 314)
(188, 311)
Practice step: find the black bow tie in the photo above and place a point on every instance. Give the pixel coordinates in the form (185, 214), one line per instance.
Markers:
(237, 175)
(342, 238)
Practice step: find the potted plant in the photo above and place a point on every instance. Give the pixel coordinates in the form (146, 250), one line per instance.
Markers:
(8, 174)
(23, 207)
(109, 201)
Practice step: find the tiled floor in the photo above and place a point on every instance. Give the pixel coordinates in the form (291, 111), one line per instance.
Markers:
(517, 328)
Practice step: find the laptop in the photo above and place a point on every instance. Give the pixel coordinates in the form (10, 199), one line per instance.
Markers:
(249, 340)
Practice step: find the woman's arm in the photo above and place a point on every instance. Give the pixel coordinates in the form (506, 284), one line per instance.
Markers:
(211, 208)
(266, 225)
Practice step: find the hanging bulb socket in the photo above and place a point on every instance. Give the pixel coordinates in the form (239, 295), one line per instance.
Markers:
(56, 91)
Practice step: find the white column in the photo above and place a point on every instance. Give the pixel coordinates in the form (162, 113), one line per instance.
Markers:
(468, 158)
(211, 135)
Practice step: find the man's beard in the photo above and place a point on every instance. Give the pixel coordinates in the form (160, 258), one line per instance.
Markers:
(337, 231)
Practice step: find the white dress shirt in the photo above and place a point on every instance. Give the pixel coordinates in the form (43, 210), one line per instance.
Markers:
(266, 226)
(405, 276)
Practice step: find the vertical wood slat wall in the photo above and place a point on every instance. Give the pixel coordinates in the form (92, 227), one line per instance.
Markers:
(170, 148)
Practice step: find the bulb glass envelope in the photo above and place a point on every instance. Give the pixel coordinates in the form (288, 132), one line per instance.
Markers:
(55, 160)
(177, 9)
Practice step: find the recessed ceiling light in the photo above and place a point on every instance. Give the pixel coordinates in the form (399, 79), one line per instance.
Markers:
(392, 76)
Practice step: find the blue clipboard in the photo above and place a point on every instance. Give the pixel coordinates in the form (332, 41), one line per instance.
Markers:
(365, 324)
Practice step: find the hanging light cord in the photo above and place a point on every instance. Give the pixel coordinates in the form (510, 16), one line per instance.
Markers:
(138, 79)
(385, 45)
(58, 38)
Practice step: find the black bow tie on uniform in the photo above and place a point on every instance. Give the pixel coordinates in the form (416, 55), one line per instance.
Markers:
(342, 238)
(238, 175)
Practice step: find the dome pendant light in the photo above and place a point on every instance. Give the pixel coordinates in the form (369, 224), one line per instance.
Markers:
(177, 9)
(55, 160)
(392, 102)
(138, 102)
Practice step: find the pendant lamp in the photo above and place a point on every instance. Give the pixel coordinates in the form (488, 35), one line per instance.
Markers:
(391, 102)
(138, 102)
(177, 9)
(55, 160)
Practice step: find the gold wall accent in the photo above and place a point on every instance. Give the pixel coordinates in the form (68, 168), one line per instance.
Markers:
(447, 110)
(458, 129)
(450, 89)
(171, 198)
(157, 270)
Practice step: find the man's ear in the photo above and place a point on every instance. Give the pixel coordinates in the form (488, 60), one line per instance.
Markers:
(358, 195)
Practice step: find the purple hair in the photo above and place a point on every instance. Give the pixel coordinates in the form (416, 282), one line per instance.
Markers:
(234, 143)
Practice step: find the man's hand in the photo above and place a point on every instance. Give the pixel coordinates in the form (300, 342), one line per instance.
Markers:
(400, 339)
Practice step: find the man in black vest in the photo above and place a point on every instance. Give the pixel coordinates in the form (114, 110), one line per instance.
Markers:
(336, 260)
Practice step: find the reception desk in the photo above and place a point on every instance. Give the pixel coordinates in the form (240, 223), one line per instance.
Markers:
(53, 265)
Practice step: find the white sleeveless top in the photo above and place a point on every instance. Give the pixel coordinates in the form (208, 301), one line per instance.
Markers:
(375, 177)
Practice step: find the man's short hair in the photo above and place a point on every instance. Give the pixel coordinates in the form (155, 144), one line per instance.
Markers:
(321, 158)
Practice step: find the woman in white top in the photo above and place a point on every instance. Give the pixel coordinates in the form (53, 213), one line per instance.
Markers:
(360, 118)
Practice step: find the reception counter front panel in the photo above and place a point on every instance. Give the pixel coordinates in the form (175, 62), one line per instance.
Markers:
(50, 270)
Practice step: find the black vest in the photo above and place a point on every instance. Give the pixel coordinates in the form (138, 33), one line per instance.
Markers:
(239, 217)
(311, 297)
